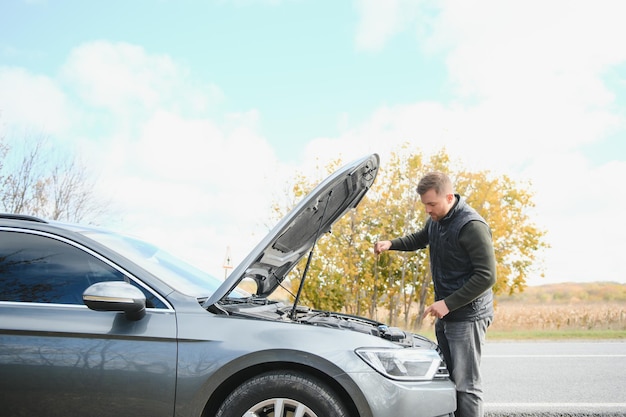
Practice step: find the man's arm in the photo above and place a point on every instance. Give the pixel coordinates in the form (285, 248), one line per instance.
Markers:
(414, 241)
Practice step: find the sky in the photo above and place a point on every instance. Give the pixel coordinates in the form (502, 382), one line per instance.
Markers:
(194, 115)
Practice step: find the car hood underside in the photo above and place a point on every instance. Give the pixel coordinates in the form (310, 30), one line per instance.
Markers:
(295, 234)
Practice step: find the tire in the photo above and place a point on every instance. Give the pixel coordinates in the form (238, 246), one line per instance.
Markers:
(282, 394)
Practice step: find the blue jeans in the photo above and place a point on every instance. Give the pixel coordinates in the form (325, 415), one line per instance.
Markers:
(461, 343)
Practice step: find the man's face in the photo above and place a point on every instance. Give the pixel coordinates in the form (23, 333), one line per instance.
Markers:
(437, 206)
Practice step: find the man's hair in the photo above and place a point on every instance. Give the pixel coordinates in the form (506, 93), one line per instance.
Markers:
(437, 181)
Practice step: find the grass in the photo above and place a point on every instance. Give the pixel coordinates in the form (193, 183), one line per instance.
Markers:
(542, 335)
(535, 335)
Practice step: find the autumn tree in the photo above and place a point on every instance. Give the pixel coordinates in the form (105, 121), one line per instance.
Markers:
(345, 275)
(505, 205)
(37, 181)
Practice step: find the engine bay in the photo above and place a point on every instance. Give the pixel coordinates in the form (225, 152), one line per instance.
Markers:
(262, 308)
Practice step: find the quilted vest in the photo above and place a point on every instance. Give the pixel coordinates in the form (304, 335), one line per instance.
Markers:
(451, 266)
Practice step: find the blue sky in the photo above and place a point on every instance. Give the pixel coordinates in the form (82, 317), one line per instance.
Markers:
(294, 61)
(194, 114)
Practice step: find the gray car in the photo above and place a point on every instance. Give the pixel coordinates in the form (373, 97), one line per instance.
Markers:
(95, 323)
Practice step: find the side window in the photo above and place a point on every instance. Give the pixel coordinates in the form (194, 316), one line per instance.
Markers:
(40, 269)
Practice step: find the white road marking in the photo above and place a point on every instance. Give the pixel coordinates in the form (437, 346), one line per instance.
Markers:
(554, 356)
(556, 405)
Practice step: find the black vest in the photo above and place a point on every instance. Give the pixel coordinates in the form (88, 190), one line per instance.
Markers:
(450, 264)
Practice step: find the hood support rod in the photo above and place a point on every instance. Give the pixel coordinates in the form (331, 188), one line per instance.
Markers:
(308, 261)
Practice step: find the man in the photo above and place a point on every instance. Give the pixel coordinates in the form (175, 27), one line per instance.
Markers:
(463, 267)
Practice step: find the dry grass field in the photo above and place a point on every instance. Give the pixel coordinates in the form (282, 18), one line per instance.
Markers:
(568, 309)
(576, 316)
(559, 311)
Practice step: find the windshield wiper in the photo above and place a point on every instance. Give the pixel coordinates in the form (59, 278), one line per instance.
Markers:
(308, 261)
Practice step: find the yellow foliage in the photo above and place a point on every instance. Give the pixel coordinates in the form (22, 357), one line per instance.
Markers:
(346, 275)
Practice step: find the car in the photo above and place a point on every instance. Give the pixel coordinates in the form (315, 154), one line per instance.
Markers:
(98, 323)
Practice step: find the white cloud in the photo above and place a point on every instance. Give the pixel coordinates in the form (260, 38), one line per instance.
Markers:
(32, 101)
(382, 20)
(179, 177)
(127, 80)
(581, 207)
(531, 92)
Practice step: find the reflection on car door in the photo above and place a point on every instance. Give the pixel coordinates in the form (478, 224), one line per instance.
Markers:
(65, 360)
(62, 359)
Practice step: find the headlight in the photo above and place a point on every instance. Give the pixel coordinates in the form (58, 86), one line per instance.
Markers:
(406, 364)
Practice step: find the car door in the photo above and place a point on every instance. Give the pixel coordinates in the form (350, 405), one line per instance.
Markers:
(59, 358)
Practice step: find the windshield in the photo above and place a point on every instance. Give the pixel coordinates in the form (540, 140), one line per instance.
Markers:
(177, 273)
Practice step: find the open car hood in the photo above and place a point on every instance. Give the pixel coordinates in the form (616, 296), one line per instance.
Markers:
(295, 234)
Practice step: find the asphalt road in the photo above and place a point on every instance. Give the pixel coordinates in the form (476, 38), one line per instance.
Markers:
(555, 378)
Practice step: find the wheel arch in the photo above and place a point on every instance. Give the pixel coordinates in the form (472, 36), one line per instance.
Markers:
(241, 369)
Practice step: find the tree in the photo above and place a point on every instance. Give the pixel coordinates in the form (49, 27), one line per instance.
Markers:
(505, 206)
(345, 275)
(38, 182)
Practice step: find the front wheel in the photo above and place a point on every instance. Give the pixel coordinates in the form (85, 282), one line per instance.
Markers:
(282, 394)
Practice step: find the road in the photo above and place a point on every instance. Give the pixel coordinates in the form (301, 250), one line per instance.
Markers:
(555, 378)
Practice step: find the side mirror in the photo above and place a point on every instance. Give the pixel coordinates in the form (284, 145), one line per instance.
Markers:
(116, 296)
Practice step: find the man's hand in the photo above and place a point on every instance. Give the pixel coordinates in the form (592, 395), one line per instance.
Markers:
(381, 246)
(439, 309)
